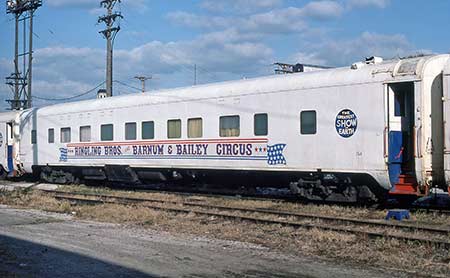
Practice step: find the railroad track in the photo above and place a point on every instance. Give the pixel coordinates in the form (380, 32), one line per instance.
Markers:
(431, 210)
(230, 196)
(399, 231)
(285, 199)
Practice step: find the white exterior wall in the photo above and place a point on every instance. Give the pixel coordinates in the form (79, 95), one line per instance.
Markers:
(28, 155)
(325, 150)
(281, 97)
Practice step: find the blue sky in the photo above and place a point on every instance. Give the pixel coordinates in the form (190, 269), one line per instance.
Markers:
(225, 39)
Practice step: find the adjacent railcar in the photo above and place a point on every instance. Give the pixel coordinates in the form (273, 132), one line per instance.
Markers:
(347, 134)
(446, 123)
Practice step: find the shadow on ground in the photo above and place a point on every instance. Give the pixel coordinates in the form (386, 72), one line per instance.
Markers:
(20, 258)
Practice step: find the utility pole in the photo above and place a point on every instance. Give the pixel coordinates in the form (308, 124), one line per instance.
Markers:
(20, 82)
(195, 74)
(109, 34)
(143, 79)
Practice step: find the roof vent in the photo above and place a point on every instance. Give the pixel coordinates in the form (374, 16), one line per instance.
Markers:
(101, 93)
(373, 60)
(357, 65)
(369, 61)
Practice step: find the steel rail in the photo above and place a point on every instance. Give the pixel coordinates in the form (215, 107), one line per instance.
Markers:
(431, 210)
(269, 211)
(257, 197)
(295, 224)
(445, 244)
(277, 199)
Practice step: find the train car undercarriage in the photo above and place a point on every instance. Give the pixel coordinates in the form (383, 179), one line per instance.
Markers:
(310, 186)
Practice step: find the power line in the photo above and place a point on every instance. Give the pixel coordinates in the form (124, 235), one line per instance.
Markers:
(211, 74)
(8, 20)
(85, 93)
(126, 85)
(36, 35)
(55, 36)
(195, 69)
(72, 97)
(195, 74)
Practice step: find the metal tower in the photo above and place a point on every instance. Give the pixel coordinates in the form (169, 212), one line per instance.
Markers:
(109, 34)
(20, 81)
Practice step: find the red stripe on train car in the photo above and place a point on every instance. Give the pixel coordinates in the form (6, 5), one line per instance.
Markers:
(104, 143)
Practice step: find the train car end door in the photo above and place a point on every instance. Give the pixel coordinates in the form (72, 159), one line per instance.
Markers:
(400, 156)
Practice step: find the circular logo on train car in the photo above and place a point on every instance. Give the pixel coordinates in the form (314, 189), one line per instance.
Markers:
(346, 123)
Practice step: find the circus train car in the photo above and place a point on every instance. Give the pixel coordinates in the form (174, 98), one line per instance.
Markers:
(347, 134)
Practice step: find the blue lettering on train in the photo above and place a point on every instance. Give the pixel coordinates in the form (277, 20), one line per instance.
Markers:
(148, 150)
(88, 151)
(192, 149)
(234, 149)
(113, 150)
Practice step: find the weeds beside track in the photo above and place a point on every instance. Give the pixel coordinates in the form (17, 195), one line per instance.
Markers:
(365, 228)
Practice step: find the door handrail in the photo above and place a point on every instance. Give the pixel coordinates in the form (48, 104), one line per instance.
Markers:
(419, 141)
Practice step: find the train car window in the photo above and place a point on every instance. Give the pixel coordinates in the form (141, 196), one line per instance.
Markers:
(130, 131)
(308, 122)
(195, 128)
(51, 135)
(260, 124)
(148, 130)
(65, 135)
(229, 126)
(173, 129)
(85, 133)
(33, 137)
(107, 132)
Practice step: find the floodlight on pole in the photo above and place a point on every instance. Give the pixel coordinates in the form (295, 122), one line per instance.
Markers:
(10, 4)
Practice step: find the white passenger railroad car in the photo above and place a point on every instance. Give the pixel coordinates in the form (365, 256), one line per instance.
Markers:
(345, 134)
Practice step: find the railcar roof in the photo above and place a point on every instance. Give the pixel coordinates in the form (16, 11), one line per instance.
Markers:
(8, 116)
(379, 72)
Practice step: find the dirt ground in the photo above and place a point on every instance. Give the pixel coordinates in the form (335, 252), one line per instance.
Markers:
(41, 244)
(344, 252)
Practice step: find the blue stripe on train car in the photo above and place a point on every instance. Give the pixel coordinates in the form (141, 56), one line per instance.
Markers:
(10, 159)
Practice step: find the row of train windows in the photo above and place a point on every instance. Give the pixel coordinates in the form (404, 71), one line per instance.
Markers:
(229, 127)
